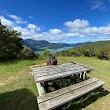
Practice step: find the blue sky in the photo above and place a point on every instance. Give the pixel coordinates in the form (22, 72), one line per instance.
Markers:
(69, 21)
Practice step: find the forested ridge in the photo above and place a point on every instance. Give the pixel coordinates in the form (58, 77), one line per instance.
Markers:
(99, 49)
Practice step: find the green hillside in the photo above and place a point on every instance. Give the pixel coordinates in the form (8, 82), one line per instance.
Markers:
(96, 45)
(100, 49)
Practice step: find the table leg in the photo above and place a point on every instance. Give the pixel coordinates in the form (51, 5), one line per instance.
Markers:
(80, 74)
(84, 75)
(40, 89)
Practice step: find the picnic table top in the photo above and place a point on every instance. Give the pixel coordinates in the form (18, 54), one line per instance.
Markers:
(47, 73)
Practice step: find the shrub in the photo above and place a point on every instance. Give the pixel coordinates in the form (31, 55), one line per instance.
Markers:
(109, 55)
(27, 53)
(77, 53)
(103, 54)
(89, 52)
(46, 53)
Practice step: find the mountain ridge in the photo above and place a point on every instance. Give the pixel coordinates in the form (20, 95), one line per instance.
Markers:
(43, 44)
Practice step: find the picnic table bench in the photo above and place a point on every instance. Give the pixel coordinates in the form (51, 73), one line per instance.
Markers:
(59, 97)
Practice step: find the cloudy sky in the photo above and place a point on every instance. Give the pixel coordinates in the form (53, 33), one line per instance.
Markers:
(69, 21)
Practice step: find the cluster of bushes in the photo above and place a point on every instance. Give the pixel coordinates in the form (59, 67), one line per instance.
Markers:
(11, 46)
(103, 53)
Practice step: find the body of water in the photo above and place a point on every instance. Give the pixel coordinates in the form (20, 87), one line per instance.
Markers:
(55, 50)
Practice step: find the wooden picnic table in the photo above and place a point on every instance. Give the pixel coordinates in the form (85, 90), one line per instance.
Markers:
(56, 98)
(46, 73)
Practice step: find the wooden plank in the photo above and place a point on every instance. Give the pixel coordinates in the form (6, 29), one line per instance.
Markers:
(49, 68)
(62, 65)
(65, 90)
(62, 99)
(41, 90)
(58, 75)
(66, 66)
(57, 70)
(45, 73)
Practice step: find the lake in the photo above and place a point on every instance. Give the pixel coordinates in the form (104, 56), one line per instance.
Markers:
(54, 50)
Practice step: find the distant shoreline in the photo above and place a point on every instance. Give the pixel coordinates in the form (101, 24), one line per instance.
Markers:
(40, 51)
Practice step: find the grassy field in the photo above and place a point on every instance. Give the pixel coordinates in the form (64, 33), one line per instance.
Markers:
(18, 90)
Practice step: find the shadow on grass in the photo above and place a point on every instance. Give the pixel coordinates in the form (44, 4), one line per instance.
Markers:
(85, 100)
(21, 99)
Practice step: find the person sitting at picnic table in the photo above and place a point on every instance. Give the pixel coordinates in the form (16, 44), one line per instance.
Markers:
(52, 60)
(49, 60)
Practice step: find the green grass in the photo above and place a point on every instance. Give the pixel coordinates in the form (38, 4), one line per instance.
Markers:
(101, 70)
(18, 90)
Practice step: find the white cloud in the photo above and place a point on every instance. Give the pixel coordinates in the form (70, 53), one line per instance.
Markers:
(80, 29)
(17, 19)
(105, 30)
(55, 31)
(98, 5)
(67, 35)
(7, 22)
(77, 24)
(80, 26)
(27, 33)
(33, 27)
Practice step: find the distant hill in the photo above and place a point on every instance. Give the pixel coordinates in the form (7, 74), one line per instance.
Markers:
(34, 44)
(43, 44)
(99, 49)
(96, 45)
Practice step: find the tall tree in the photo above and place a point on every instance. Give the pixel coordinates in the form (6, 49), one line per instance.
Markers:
(10, 43)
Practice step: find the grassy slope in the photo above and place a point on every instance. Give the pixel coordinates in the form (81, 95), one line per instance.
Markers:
(18, 90)
(102, 72)
(96, 45)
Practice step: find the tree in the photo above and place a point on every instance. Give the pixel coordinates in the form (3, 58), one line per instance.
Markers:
(10, 43)
(46, 53)
(27, 53)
